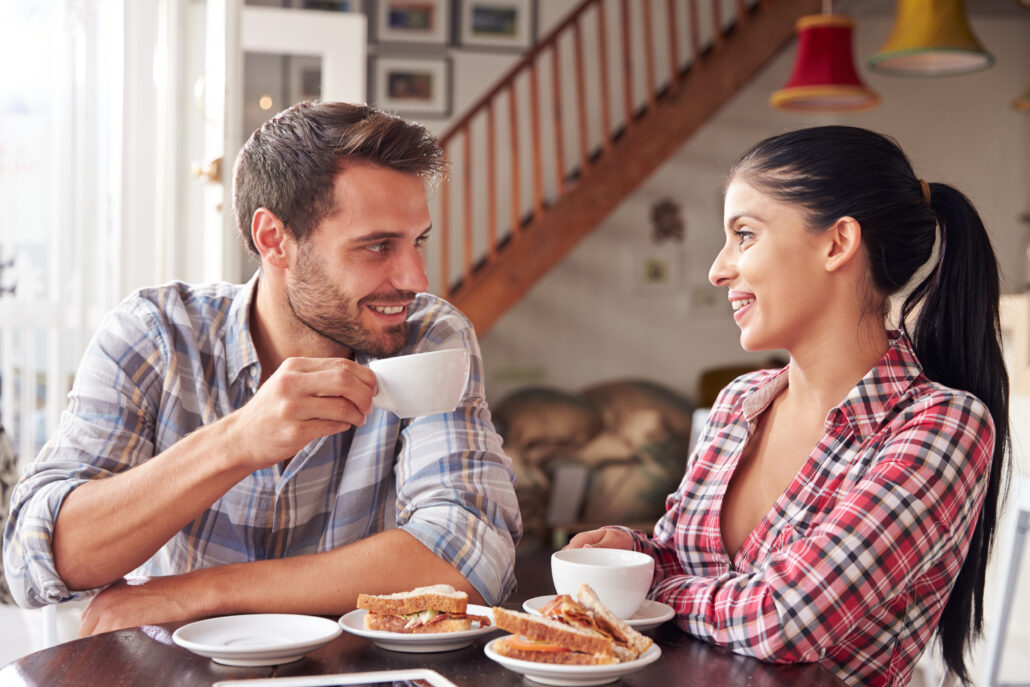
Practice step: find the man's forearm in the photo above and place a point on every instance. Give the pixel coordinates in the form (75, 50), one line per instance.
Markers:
(318, 584)
(329, 583)
(107, 528)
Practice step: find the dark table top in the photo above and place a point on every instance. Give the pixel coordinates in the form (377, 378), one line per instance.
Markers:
(146, 656)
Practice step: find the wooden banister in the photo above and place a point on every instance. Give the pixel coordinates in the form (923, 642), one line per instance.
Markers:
(499, 263)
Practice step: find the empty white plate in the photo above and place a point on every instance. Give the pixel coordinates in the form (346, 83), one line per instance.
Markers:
(260, 639)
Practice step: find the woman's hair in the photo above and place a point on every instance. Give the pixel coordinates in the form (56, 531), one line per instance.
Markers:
(289, 165)
(837, 171)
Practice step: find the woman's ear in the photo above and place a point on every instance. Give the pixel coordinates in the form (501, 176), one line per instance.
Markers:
(270, 237)
(844, 242)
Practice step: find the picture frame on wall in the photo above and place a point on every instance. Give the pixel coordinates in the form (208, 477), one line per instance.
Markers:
(425, 22)
(497, 24)
(411, 85)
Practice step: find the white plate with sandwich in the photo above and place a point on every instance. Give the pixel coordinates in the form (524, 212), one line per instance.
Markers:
(566, 675)
(651, 614)
(260, 639)
(579, 642)
(425, 619)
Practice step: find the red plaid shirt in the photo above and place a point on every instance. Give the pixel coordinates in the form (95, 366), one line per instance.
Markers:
(853, 564)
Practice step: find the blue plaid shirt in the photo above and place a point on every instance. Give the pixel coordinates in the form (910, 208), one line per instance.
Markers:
(173, 358)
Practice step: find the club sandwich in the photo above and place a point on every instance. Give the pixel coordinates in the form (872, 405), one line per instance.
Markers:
(437, 608)
(580, 631)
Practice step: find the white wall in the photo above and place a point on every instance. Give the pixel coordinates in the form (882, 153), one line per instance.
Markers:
(586, 321)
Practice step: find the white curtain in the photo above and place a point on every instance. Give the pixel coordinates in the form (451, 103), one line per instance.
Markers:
(83, 163)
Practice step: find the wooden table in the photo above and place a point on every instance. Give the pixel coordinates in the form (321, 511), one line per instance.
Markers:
(147, 657)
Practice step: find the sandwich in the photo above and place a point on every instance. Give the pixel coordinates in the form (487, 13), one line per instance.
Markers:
(437, 608)
(580, 631)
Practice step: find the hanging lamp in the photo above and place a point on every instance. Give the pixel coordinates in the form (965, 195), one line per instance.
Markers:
(930, 38)
(824, 77)
(1023, 101)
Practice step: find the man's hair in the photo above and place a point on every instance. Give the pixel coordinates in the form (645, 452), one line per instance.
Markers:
(290, 163)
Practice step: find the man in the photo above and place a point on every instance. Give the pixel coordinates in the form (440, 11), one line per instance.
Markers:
(221, 441)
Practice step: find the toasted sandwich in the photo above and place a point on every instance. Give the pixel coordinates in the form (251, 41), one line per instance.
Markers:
(545, 640)
(438, 608)
(580, 631)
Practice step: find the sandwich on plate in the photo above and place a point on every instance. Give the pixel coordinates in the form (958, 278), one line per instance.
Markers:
(437, 608)
(580, 631)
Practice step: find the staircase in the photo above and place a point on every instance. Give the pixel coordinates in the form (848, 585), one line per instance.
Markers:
(577, 124)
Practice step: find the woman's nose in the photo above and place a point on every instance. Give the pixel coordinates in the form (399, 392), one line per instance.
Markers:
(722, 270)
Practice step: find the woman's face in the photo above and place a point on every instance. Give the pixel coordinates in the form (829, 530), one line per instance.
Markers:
(773, 268)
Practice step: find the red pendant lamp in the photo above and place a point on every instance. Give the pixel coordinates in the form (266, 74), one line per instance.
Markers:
(1022, 103)
(824, 77)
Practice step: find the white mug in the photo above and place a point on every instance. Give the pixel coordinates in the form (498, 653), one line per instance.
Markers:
(421, 383)
(620, 578)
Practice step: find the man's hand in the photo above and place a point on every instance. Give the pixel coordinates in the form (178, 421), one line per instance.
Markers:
(141, 601)
(306, 398)
(606, 538)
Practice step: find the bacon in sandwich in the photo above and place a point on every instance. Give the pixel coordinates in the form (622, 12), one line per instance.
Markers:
(580, 631)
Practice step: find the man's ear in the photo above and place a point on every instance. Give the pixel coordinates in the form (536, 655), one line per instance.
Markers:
(844, 239)
(270, 237)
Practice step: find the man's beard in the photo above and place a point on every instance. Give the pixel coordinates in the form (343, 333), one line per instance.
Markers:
(323, 308)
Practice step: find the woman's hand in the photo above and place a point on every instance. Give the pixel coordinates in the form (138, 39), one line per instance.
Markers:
(604, 538)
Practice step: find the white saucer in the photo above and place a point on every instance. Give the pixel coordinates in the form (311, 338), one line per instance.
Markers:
(354, 622)
(650, 614)
(260, 639)
(553, 674)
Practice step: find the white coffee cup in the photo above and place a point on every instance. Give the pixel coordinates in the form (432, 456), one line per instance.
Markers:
(421, 383)
(620, 578)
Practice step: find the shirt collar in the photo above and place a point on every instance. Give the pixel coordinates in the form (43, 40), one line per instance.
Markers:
(868, 403)
(239, 346)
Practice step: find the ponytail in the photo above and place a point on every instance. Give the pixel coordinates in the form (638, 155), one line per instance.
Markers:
(957, 337)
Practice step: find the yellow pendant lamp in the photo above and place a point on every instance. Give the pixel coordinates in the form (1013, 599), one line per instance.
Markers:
(930, 38)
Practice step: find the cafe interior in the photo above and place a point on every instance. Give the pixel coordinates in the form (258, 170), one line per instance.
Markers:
(588, 142)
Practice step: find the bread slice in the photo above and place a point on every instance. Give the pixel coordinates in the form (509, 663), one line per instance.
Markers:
(551, 631)
(612, 624)
(438, 597)
(396, 623)
(501, 646)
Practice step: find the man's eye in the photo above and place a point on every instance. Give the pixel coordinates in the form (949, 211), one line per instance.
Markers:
(380, 247)
(421, 241)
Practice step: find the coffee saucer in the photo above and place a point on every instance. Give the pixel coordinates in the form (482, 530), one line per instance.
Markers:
(650, 614)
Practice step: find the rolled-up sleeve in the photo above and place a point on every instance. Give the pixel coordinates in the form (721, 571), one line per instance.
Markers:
(107, 428)
(455, 485)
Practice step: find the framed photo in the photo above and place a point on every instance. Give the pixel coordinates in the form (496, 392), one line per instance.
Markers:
(412, 21)
(415, 86)
(504, 24)
(656, 271)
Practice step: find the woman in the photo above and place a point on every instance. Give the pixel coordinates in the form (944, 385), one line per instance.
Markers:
(829, 508)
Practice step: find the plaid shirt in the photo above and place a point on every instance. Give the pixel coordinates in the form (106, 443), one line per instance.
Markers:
(174, 358)
(853, 564)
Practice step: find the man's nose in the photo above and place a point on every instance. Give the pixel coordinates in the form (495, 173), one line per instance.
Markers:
(410, 272)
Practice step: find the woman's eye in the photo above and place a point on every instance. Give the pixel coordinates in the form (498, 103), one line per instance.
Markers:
(743, 236)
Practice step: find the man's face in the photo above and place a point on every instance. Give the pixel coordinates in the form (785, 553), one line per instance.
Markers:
(353, 279)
